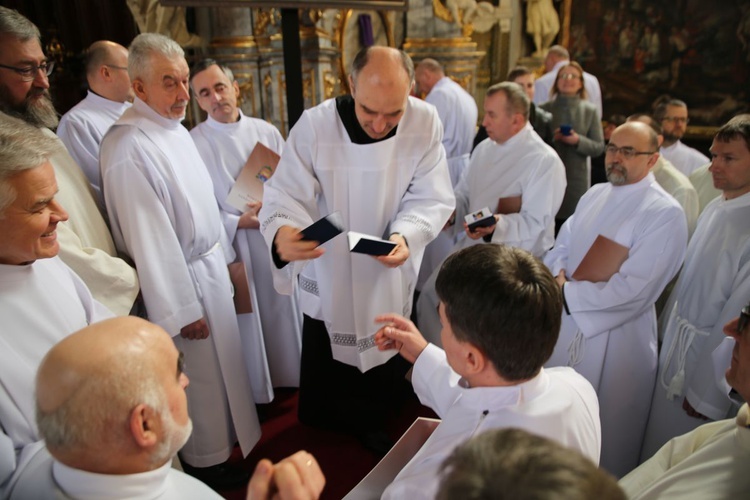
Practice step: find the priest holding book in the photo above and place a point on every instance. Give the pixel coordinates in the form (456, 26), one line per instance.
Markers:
(234, 146)
(513, 173)
(612, 258)
(376, 157)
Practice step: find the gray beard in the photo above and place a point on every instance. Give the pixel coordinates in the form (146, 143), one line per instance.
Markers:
(42, 114)
(615, 177)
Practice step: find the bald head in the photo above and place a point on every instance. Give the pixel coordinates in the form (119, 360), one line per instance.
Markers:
(380, 83)
(427, 74)
(97, 388)
(631, 153)
(107, 71)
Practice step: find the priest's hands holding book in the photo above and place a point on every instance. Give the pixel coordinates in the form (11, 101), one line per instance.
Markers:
(291, 246)
(249, 219)
(399, 333)
(482, 231)
(398, 255)
(197, 330)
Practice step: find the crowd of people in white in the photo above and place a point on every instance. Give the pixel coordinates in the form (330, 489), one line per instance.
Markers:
(543, 319)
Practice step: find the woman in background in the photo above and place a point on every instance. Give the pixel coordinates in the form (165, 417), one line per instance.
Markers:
(577, 133)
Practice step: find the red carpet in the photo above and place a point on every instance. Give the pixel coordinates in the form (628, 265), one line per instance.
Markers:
(342, 458)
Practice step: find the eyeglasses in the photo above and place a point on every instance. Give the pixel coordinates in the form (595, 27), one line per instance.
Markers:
(676, 119)
(627, 152)
(29, 72)
(116, 67)
(568, 76)
(744, 319)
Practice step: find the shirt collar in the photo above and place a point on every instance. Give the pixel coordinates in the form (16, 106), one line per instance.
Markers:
(145, 110)
(495, 398)
(84, 485)
(103, 102)
(226, 127)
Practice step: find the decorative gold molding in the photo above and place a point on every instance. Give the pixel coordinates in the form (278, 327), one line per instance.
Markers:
(247, 89)
(329, 84)
(309, 89)
(701, 132)
(240, 42)
(442, 12)
(431, 43)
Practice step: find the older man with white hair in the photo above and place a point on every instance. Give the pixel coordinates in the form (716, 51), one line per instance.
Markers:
(164, 215)
(41, 299)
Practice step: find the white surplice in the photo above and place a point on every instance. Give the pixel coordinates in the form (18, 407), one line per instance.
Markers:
(85, 241)
(272, 333)
(684, 158)
(610, 335)
(458, 113)
(713, 287)
(59, 481)
(523, 166)
(164, 215)
(709, 462)
(398, 185)
(676, 184)
(81, 130)
(40, 304)
(544, 84)
(558, 404)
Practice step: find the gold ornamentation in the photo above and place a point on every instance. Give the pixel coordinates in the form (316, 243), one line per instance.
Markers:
(442, 12)
(247, 89)
(329, 85)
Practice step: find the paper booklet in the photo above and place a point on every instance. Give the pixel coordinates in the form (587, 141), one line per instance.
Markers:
(480, 218)
(509, 205)
(602, 261)
(324, 229)
(383, 474)
(248, 188)
(370, 245)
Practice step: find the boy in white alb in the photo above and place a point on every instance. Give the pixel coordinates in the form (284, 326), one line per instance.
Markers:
(500, 310)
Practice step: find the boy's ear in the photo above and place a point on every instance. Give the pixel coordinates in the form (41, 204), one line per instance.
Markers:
(474, 359)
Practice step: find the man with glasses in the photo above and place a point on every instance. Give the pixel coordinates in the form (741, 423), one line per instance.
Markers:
(673, 116)
(612, 258)
(110, 94)
(714, 284)
(85, 242)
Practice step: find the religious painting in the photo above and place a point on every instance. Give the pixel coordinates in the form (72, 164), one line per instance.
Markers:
(693, 50)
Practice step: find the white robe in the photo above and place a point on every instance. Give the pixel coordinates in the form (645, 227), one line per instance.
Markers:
(544, 84)
(558, 404)
(81, 130)
(85, 241)
(399, 185)
(676, 184)
(610, 335)
(458, 113)
(713, 287)
(164, 215)
(522, 166)
(40, 304)
(59, 481)
(684, 158)
(272, 333)
(710, 462)
(703, 182)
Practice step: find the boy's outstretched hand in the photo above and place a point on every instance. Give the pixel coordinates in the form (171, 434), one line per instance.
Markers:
(399, 333)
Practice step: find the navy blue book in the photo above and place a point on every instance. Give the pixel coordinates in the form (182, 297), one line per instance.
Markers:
(370, 245)
(324, 229)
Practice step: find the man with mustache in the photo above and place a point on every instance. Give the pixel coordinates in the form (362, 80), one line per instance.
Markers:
(85, 242)
(713, 285)
(41, 299)
(272, 332)
(637, 234)
(164, 216)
